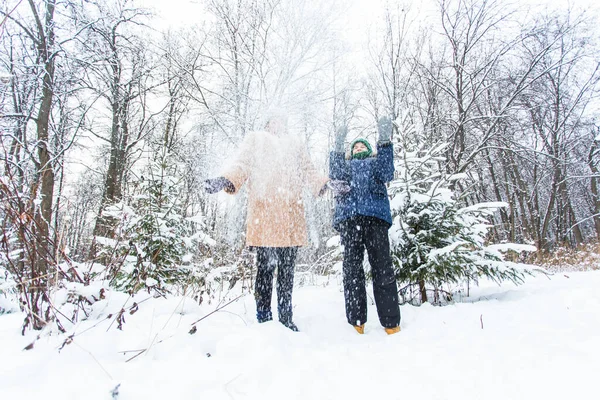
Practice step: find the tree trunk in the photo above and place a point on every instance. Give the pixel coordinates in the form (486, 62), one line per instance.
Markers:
(570, 219)
(423, 291)
(594, 187)
(45, 172)
(496, 188)
(105, 226)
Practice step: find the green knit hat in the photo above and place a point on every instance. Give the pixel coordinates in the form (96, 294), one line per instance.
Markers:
(363, 154)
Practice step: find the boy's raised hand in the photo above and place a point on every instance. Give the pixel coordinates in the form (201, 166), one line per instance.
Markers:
(384, 127)
(340, 138)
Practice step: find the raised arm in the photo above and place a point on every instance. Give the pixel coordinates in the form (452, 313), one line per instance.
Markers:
(384, 165)
(337, 163)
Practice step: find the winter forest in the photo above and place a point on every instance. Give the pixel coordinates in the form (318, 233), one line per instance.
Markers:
(113, 113)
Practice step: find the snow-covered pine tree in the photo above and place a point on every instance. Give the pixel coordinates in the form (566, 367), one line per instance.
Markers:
(435, 241)
(154, 236)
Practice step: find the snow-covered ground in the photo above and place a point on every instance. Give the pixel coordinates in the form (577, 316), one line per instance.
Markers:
(540, 340)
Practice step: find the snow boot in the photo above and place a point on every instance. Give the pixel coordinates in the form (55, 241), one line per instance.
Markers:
(391, 331)
(359, 328)
(290, 325)
(264, 316)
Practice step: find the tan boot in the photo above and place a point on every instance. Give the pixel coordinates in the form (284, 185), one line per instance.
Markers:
(360, 328)
(391, 331)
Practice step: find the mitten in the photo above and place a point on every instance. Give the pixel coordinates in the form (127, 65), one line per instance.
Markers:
(214, 185)
(338, 186)
(384, 127)
(340, 138)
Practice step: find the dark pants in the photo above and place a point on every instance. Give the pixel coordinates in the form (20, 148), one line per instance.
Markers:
(267, 259)
(371, 233)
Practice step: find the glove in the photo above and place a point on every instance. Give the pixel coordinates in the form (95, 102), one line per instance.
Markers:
(384, 127)
(340, 138)
(338, 187)
(215, 185)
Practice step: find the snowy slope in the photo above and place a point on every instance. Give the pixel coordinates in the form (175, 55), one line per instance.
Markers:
(539, 341)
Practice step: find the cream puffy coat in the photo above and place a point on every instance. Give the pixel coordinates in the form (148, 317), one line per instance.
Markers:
(276, 170)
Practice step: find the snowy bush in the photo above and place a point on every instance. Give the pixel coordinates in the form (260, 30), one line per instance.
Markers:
(9, 255)
(8, 292)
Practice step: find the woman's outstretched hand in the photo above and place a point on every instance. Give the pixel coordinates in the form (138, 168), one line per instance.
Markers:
(214, 185)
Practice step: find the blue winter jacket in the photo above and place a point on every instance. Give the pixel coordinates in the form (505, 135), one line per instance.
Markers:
(368, 195)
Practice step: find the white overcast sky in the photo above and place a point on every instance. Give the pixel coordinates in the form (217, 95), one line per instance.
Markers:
(359, 12)
(356, 18)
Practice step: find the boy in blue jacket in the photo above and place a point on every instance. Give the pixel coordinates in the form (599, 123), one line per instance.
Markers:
(363, 218)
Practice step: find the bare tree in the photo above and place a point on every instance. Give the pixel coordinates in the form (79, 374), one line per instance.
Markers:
(41, 131)
(556, 104)
(119, 67)
(593, 161)
(396, 61)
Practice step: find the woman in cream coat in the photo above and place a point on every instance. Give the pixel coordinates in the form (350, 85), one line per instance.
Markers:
(276, 168)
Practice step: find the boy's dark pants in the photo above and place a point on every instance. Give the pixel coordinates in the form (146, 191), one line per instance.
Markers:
(358, 233)
(267, 259)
